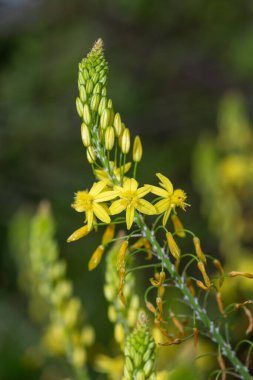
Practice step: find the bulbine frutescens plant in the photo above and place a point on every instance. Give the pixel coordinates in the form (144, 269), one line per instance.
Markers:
(116, 198)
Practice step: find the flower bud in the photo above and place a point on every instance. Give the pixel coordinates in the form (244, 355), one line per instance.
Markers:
(137, 149)
(178, 226)
(94, 103)
(91, 154)
(198, 250)
(105, 118)
(108, 234)
(95, 78)
(79, 107)
(85, 134)
(86, 114)
(109, 138)
(80, 79)
(125, 141)
(102, 105)
(86, 75)
(173, 247)
(78, 234)
(83, 95)
(96, 257)
(117, 124)
(89, 86)
(202, 269)
(97, 88)
(104, 91)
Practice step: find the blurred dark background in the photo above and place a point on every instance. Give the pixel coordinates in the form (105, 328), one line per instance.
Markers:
(170, 63)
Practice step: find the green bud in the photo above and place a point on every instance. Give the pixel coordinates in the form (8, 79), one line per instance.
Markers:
(109, 138)
(83, 94)
(140, 375)
(105, 118)
(94, 103)
(86, 114)
(139, 350)
(91, 155)
(109, 104)
(97, 88)
(85, 134)
(129, 364)
(125, 141)
(103, 80)
(117, 124)
(104, 91)
(102, 74)
(95, 78)
(80, 78)
(79, 107)
(89, 86)
(102, 105)
(85, 75)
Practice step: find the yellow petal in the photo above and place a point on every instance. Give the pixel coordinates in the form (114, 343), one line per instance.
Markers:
(166, 216)
(165, 182)
(106, 196)
(142, 191)
(101, 213)
(145, 207)
(162, 205)
(117, 206)
(96, 257)
(101, 174)
(78, 234)
(90, 218)
(160, 192)
(130, 184)
(129, 216)
(97, 188)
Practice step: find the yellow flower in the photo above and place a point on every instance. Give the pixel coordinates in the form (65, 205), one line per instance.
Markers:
(172, 198)
(131, 199)
(88, 202)
(103, 175)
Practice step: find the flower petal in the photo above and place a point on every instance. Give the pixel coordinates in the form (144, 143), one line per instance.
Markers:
(160, 192)
(130, 184)
(106, 196)
(117, 206)
(166, 183)
(142, 191)
(166, 216)
(97, 187)
(129, 216)
(162, 205)
(101, 213)
(90, 218)
(145, 207)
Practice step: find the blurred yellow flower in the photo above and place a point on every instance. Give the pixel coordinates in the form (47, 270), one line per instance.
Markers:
(172, 198)
(131, 200)
(88, 202)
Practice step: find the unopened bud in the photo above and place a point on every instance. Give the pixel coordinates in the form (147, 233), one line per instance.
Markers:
(243, 274)
(96, 257)
(85, 134)
(78, 234)
(102, 105)
(108, 234)
(89, 86)
(173, 247)
(94, 103)
(86, 75)
(109, 138)
(198, 250)
(79, 107)
(95, 78)
(117, 124)
(91, 154)
(105, 118)
(86, 114)
(125, 141)
(97, 89)
(83, 94)
(137, 149)
(202, 269)
(178, 226)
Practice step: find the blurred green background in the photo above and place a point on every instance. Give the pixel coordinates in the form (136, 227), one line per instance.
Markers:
(170, 64)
